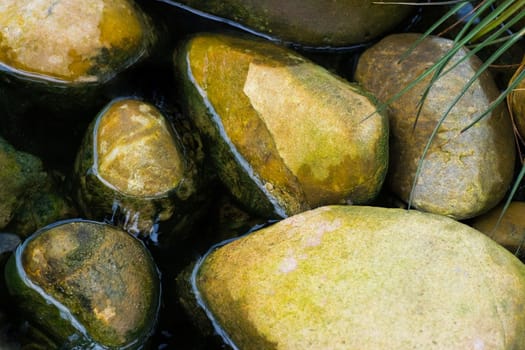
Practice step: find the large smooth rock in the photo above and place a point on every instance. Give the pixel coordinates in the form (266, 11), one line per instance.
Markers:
(351, 277)
(71, 41)
(285, 134)
(464, 174)
(310, 22)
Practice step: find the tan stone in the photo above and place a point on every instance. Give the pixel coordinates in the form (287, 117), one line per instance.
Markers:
(350, 277)
(510, 231)
(285, 134)
(69, 40)
(136, 150)
(464, 173)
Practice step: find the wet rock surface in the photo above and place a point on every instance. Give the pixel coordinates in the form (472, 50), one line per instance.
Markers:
(86, 284)
(69, 40)
(307, 23)
(285, 134)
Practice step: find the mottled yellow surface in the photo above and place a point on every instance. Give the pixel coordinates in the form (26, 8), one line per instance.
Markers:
(303, 131)
(136, 151)
(63, 39)
(353, 277)
(86, 267)
(317, 124)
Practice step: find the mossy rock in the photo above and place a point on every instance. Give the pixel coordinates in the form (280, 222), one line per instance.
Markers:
(86, 284)
(21, 174)
(353, 277)
(308, 23)
(465, 173)
(284, 134)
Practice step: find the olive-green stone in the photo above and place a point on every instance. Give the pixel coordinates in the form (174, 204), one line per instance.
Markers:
(86, 283)
(20, 174)
(465, 172)
(353, 277)
(308, 22)
(284, 133)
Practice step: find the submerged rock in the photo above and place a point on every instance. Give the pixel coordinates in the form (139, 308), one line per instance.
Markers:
(135, 168)
(307, 22)
(86, 285)
(285, 135)
(465, 173)
(351, 277)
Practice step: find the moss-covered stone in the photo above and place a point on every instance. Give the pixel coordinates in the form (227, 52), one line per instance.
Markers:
(285, 135)
(308, 22)
(351, 277)
(21, 174)
(86, 284)
(135, 168)
(465, 173)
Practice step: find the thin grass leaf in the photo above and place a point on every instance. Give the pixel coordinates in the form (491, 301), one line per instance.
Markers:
(442, 119)
(491, 39)
(512, 10)
(432, 28)
(439, 67)
(441, 64)
(497, 101)
(469, 14)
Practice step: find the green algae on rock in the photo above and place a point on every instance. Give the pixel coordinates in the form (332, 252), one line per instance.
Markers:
(21, 174)
(354, 277)
(86, 285)
(135, 168)
(71, 41)
(47, 203)
(308, 22)
(284, 134)
(465, 173)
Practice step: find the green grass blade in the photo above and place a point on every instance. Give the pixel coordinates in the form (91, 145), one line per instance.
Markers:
(499, 100)
(432, 28)
(510, 11)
